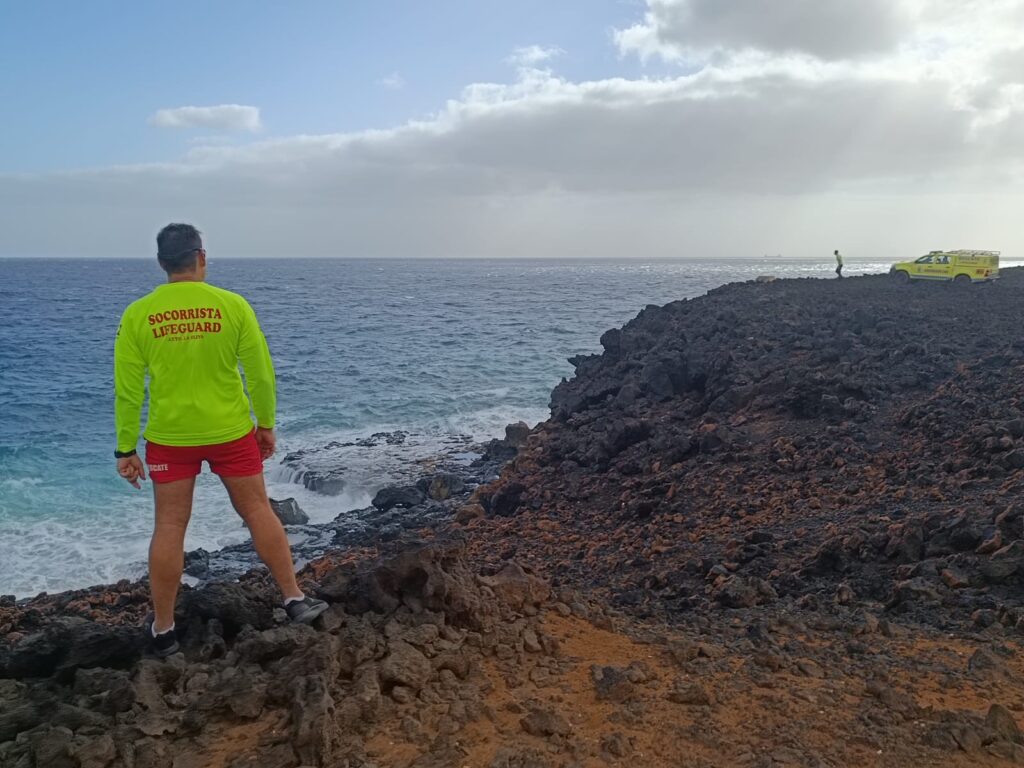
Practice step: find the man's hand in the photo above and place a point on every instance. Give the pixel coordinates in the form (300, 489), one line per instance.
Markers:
(267, 442)
(132, 469)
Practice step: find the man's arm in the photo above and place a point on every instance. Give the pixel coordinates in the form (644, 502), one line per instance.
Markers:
(129, 388)
(129, 392)
(254, 355)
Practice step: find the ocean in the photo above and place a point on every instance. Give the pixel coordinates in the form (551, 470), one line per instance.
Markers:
(446, 352)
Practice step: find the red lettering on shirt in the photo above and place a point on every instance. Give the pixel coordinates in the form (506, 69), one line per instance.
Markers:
(175, 330)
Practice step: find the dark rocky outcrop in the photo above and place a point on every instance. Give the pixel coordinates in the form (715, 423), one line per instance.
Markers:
(289, 512)
(777, 440)
(436, 490)
(401, 631)
(398, 496)
(67, 644)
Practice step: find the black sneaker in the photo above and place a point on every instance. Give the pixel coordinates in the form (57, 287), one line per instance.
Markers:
(304, 611)
(163, 645)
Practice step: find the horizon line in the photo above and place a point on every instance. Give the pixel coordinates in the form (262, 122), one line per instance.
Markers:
(824, 257)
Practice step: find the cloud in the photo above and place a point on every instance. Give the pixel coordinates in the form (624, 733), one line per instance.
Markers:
(740, 153)
(393, 82)
(1008, 66)
(532, 55)
(223, 117)
(828, 29)
(945, 33)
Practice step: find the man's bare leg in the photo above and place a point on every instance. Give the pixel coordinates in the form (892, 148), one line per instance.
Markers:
(249, 497)
(173, 503)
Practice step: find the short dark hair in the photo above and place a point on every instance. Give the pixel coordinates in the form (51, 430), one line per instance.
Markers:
(177, 246)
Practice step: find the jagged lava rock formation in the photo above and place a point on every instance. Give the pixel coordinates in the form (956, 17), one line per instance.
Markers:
(784, 439)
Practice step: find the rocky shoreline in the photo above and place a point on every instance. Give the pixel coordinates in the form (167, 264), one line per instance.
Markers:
(433, 490)
(777, 525)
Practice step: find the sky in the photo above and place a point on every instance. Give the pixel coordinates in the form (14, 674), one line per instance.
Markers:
(577, 128)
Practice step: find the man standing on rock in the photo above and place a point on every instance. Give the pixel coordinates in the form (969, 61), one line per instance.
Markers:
(839, 264)
(190, 337)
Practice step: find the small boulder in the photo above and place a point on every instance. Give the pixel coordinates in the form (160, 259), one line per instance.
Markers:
(914, 591)
(21, 716)
(406, 666)
(966, 737)
(1003, 723)
(52, 747)
(545, 722)
(741, 592)
(96, 753)
(531, 643)
(273, 644)
(844, 594)
(612, 684)
(689, 693)
(507, 499)
(110, 691)
(328, 483)
(1004, 562)
(1014, 459)
(230, 603)
(984, 662)
(398, 496)
(515, 587)
(517, 434)
(616, 745)
(469, 512)
(655, 378)
(810, 668)
(955, 578)
(444, 486)
(289, 512)
(984, 617)
(628, 395)
(197, 563)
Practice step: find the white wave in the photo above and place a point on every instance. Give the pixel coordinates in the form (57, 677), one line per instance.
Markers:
(111, 543)
(53, 555)
(20, 483)
(366, 465)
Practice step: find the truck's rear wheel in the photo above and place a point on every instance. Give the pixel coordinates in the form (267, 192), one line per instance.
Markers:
(962, 280)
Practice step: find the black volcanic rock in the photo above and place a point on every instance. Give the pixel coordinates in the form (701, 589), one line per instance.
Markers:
(844, 419)
(507, 500)
(232, 604)
(67, 644)
(289, 512)
(398, 496)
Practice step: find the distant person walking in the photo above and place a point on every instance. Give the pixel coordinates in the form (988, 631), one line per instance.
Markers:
(189, 337)
(839, 264)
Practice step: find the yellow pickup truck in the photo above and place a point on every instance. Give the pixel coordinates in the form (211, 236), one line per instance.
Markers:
(956, 266)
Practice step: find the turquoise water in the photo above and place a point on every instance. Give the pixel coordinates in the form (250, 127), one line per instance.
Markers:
(435, 348)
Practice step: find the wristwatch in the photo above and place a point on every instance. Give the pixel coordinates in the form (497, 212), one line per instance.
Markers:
(124, 454)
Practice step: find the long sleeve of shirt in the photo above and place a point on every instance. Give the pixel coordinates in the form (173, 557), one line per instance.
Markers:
(129, 387)
(254, 355)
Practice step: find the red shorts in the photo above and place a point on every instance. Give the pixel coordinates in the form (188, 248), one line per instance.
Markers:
(239, 458)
